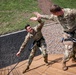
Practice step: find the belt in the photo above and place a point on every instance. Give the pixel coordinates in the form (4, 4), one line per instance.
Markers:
(38, 41)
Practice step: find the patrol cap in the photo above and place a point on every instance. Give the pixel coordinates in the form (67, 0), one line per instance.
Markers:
(55, 8)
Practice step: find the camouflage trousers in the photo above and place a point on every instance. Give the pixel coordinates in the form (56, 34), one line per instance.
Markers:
(43, 51)
(70, 47)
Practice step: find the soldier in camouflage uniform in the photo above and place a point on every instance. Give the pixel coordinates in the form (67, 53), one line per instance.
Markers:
(67, 19)
(39, 42)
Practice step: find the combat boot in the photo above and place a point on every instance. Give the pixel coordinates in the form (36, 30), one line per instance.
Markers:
(46, 59)
(64, 66)
(46, 62)
(26, 69)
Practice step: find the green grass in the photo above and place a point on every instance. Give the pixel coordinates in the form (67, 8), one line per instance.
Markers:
(65, 3)
(15, 14)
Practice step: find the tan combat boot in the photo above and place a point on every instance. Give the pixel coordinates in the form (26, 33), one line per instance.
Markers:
(26, 69)
(46, 61)
(64, 66)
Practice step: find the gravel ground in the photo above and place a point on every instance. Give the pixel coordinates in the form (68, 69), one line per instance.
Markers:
(45, 6)
(53, 35)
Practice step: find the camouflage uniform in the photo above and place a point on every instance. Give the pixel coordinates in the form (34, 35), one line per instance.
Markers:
(68, 22)
(39, 42)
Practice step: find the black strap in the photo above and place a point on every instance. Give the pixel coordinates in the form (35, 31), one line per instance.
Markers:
(71, 33)
(38, 42)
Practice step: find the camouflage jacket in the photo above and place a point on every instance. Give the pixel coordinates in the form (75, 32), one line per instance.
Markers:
(36, 35)
(67, 21)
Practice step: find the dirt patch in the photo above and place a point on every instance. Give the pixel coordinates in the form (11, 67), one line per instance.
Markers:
(45, 6)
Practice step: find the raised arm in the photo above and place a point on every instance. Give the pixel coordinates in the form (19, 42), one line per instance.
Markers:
(41, 23)
(48, 17)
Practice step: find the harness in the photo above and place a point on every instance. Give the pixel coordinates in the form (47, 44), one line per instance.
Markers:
(70, 38)
(38, 41)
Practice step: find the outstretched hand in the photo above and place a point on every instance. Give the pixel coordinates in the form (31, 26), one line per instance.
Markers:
(18, 54)
(38, 17)
(35, 18)
(37, 14)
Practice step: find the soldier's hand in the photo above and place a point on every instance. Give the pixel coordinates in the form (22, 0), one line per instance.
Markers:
(33, 18)
(18, 53)
(37, 14)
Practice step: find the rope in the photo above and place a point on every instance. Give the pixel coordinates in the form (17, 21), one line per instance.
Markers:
(17, 65)
(12, 68)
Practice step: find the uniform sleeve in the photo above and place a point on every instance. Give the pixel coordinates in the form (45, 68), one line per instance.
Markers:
(25, 42)
(40, 25)
(48, 17)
